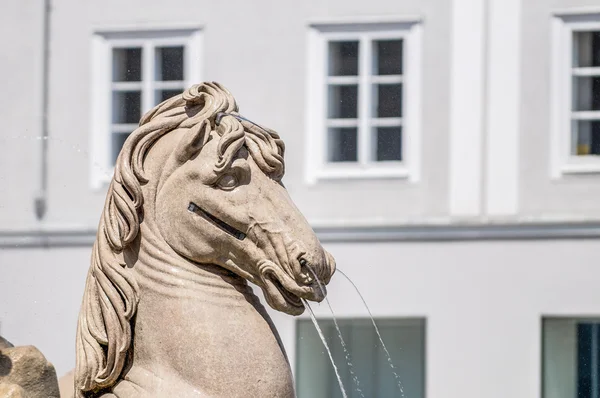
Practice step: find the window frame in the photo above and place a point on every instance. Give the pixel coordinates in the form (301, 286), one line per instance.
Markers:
(103, 42)
(319, 35)
(563, 163)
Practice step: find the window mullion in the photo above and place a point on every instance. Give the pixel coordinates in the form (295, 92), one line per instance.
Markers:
(147, 77)
(364, 95)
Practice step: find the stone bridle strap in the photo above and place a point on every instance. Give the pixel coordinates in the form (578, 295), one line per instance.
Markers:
(194, 208)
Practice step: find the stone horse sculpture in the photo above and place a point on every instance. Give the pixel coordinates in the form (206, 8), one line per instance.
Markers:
(195, 209)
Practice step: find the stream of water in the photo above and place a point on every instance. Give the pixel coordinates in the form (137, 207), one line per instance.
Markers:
(387, 353)
(314, 320)
(346, 352)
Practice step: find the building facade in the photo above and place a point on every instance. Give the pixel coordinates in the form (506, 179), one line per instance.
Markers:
(445, 152)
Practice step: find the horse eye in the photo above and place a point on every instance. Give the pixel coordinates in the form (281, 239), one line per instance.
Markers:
(228, 182)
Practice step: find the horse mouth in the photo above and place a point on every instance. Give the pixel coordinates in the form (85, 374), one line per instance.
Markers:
(288, 296)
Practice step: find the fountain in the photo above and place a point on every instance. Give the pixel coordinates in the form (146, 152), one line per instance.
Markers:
(194, 212)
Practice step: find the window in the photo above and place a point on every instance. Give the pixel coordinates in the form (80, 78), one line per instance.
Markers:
(404, 339)
(364, 100)
(133, 72)
(571, 355)
(576, 94)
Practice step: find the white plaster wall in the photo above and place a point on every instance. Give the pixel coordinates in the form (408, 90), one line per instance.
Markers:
(20, 110)
(40, 295)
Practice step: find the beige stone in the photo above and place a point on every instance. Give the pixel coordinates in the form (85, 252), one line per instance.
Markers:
(65, 385)
(11, 391)
(196, 210)
(25, 372)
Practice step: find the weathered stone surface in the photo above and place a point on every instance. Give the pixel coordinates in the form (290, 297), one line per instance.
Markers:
(25, 372)
(5, 343)
(11, 391)
(167, 310)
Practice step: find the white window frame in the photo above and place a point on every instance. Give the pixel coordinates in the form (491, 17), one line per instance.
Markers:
(103, 41)
(410, 31)
(564, 24)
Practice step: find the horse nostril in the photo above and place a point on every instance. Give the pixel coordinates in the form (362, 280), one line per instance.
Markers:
(306, 275)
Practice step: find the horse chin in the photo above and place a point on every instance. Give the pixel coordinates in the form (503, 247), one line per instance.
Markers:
(281, 299)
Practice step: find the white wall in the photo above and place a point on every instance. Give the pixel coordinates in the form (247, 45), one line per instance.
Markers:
(40, 295)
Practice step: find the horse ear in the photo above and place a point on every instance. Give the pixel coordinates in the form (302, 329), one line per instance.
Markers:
(192, 142)
(188, 146)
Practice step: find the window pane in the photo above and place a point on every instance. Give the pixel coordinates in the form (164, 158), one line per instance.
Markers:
(586, 137)
(387, 100)
(118, 139)
(343, 58)
(343, 101)
(586, 49)
(586, 93)
(127, 65)
(126, 106)
(169, 63)
(387, 57)
(571, 357)
(585, 346)
(163, 95)
(343, 144)
(389, 143)
(404, 339)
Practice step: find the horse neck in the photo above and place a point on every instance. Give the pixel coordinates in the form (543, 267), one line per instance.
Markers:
(186, 306)
(162, 272)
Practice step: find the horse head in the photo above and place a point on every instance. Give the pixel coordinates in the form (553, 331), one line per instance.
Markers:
(207, 182)
(220, 200)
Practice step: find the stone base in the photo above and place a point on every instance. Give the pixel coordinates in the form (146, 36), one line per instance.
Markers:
(25, 372)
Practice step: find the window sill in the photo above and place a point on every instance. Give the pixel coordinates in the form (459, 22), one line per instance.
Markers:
(583, 165)
(357, 173)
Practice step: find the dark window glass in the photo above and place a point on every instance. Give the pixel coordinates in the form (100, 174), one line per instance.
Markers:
(586, 49)
(587, 136)
(343, 144)
(387, 100)
(343, 102)
(169, 63)
(389, 143)
(126, 106)
(127, 65)
(586, 93)
(387, 57)
(343, 58)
